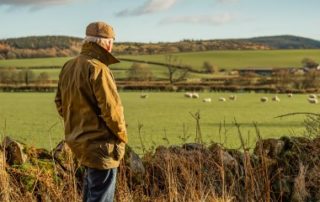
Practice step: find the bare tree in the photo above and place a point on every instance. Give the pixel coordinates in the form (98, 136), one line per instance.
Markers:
(282, 77)
(176, 72)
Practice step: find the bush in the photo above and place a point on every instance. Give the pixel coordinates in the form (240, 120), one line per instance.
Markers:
(209, 68)
(43, 78)
(9, 76)
(310, 63)
(140, 72)
(25, 76)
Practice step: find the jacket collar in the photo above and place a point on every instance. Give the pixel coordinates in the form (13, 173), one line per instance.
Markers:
(97, 52)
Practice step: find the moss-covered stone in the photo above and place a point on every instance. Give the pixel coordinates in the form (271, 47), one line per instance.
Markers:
(14, 152)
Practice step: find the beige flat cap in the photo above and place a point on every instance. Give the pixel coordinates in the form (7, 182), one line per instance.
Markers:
(100, 29)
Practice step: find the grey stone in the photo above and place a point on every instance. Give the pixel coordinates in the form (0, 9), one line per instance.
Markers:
(270, 147)
(228, 160)
(134, 164)
(15, 154)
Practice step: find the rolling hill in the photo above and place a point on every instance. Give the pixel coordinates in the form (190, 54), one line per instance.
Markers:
(287, 42)
(65, 46)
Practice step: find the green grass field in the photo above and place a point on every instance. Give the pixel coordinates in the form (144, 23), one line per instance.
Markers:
(29, 116)
(239, 59)
(34, 62)
(223, 59)
(119, 70)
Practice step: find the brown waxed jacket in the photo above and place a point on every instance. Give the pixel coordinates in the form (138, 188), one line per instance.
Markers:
(90, 105)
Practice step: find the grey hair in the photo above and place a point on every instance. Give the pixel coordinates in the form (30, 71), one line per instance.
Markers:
(103, 42)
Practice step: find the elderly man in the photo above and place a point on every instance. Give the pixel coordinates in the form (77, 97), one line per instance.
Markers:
(91, 108)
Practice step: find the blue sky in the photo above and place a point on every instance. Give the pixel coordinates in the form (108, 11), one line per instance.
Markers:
(162, 20)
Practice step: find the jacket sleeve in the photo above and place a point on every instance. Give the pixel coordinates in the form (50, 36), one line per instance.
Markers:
(58, 101)
(109, 102)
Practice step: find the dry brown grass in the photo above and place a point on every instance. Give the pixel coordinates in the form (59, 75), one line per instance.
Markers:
(4, 178)
(191, 172)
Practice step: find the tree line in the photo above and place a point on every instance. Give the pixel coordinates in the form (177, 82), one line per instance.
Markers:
(39, 47)
(26, 77)
(62, 46)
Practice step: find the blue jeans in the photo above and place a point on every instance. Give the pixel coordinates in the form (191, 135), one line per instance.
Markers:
(99, 185)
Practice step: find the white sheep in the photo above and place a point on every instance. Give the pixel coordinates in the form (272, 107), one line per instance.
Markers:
(233, 97)
(313, 100)
(222, 99)
(264, 99)
(276, 99)
(313, 96)
(206, 100)
(195, 95)
(188, 95)
(143, 96)
(290, 95)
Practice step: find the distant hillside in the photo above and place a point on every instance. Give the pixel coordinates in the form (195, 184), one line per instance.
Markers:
(287, 42)
(39, 47)
(62, 46)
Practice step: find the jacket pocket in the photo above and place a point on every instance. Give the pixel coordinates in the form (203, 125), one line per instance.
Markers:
(119, 150)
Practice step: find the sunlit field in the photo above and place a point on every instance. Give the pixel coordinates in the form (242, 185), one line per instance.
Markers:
(223, 59)
(233, 59)
(164, 118)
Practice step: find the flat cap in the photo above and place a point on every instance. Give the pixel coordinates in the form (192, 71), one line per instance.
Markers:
(100, 29)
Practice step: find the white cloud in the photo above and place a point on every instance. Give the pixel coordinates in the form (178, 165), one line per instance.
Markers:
(151, 6)
(218, 19)
(227, 1)
(32, 2)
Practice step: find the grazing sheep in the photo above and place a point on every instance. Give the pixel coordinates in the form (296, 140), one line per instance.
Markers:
(188, 95)
(222, 99)
(233, 97)
(312, 96)
(313, 100)
(290, 95)
(276, 99)
(264, 99)
(143, 96)
(195, 95)
(206, 100)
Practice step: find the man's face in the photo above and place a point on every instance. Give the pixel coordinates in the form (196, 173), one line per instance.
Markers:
(110, 46)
